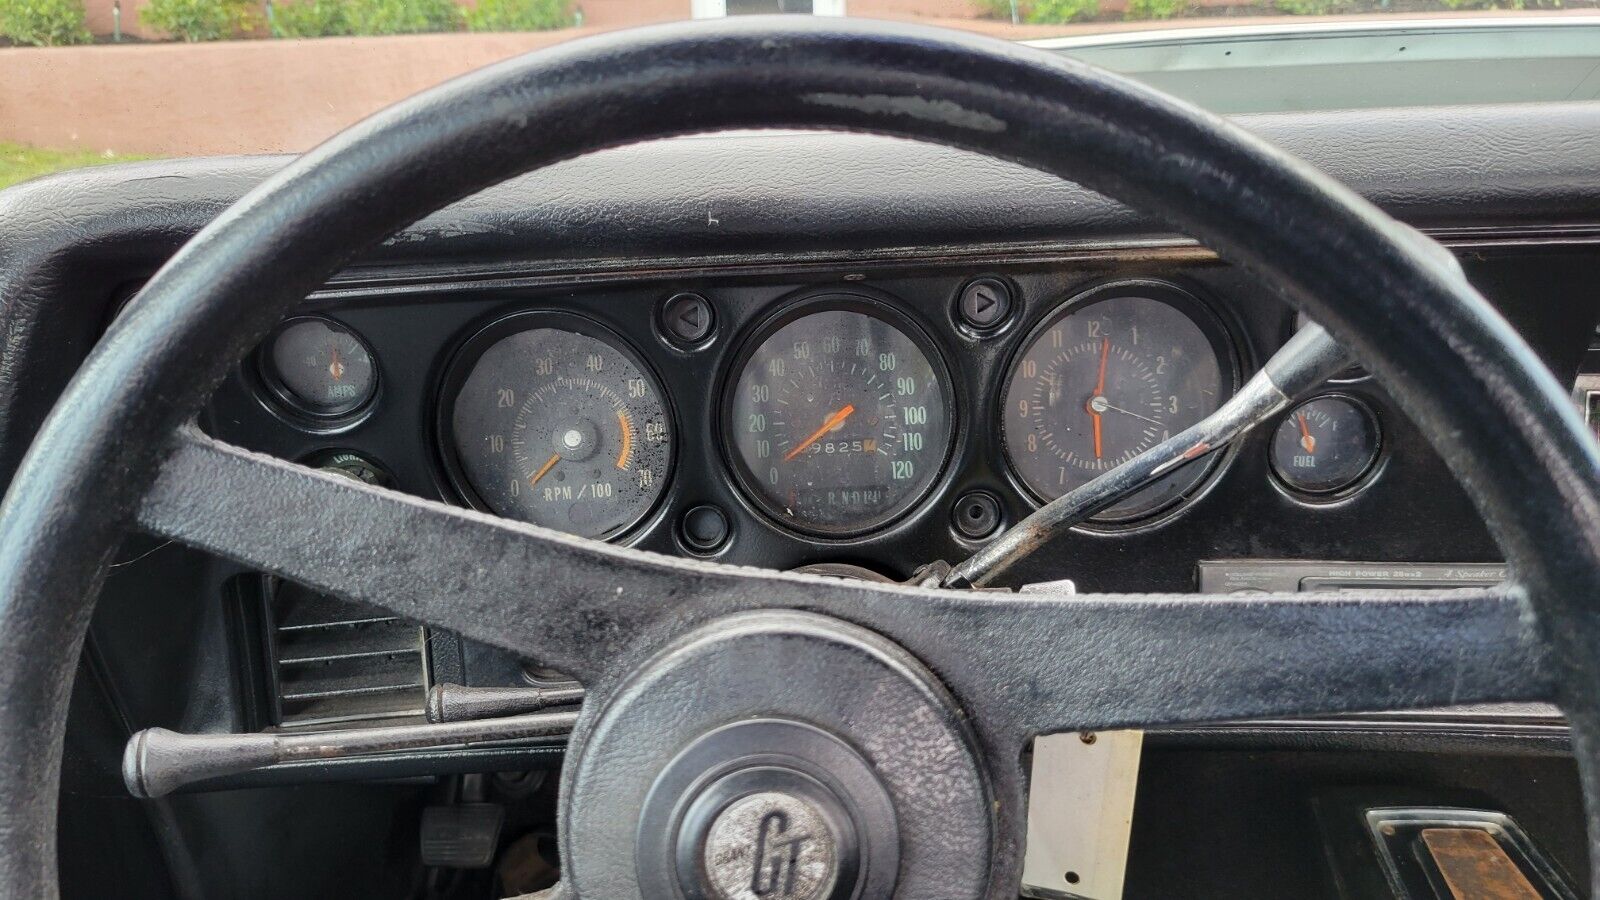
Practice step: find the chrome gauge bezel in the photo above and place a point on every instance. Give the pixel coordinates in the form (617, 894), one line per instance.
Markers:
(1224, 342)
(465, 357)
(875, 305)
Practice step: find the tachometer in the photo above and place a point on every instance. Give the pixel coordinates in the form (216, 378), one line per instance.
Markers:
(838, 418)
(558, 423)
(1109, 375)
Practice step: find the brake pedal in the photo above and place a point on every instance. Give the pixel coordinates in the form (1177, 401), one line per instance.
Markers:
(463, 836)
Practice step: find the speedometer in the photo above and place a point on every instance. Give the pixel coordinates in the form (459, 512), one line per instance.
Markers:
(1106, 377)
(838, 418)
(555, 421)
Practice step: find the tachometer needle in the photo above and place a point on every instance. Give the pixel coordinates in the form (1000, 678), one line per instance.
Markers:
(832, 423)
(1306, 439)
(544, 469)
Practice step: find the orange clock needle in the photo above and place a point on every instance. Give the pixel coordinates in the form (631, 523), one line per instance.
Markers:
(544, 469)
(832, 423)
(1099, 391)
(1105, 352)
(1306, 439)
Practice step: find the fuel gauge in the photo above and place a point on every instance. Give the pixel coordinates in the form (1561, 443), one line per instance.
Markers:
(319, 368)
(1325, 445)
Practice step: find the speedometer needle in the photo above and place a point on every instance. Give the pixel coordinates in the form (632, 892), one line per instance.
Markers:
(832, 423)
(544, 469)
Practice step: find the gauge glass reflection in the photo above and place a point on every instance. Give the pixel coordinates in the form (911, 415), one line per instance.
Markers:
(838, 420)
(563, 428)
(1102, 381)
(319, 368)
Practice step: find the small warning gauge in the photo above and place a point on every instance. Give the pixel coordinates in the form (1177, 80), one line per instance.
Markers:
(319, 368)
(1326, 445)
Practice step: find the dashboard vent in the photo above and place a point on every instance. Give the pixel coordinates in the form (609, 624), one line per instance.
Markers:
(337, 662)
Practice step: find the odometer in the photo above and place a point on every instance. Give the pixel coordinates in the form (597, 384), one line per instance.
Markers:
(838, 418)
(1106, 377)
(557, 423)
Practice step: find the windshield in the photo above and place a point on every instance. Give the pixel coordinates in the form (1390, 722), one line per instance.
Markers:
(91, 81)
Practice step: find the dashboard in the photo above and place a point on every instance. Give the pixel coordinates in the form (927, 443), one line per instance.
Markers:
(684, 347)
(852, 417)
(880, 416)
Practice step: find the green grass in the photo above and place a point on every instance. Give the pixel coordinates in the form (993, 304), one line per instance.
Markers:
(19, 162)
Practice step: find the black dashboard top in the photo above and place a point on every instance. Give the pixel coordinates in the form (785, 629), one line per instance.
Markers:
(782, 193)
(73, 245)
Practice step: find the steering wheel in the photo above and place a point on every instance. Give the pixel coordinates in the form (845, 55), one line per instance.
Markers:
(839, 739)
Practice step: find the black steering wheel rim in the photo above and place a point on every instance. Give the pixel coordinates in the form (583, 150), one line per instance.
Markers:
(1493, 411)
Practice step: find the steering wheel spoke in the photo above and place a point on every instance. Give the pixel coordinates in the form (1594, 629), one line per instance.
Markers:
(1033, 663)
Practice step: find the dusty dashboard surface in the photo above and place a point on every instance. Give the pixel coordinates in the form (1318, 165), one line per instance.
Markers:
(871, 417)
(708, 380)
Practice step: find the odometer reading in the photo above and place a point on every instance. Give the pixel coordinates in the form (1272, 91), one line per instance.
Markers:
(837, 421)
(563, 429)
(1104, 380)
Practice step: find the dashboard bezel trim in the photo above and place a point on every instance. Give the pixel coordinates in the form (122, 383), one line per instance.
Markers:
(369, 281)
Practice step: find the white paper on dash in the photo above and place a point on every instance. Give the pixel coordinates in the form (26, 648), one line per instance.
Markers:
(1080, 814)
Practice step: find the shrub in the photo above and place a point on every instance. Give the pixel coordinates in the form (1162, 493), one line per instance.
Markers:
(200, 20)
(1311, 7)
(403, 16)
(312, 18)
(1315, 7)
(1001, 9)
(43, 23)
(331, 18)
(1055, 12)
(518, 15)
(1154, 9)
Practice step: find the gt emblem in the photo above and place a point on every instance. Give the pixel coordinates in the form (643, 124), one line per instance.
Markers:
(770, 846)
(777, 856)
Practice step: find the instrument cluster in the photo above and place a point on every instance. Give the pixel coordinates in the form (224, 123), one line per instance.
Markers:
(884, 423)
(837, 414)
